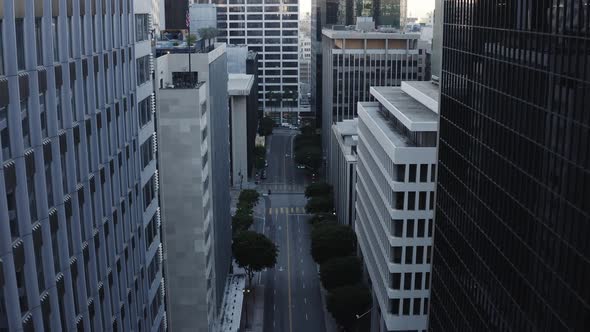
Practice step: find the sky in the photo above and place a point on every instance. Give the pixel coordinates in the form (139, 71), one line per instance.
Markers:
(416, 8)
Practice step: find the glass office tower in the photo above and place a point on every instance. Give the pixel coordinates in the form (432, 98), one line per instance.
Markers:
(513, 197)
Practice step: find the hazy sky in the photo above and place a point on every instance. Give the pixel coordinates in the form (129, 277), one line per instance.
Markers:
(416, 8)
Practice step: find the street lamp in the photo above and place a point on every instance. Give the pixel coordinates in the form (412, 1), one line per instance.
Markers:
(361, 315)
(245, 291)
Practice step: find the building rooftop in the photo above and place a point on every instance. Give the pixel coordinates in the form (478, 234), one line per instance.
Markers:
(374, 114)
(239, 84)
(347, 127)
(425, 92)
(410, 112)
(375, 34)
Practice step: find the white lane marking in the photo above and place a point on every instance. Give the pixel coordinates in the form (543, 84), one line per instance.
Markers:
(305, 300)
(304, 285)
(275, 291)
(302, 272)
(275, 306)
(301, 260)
(274, 323)
(306, 317)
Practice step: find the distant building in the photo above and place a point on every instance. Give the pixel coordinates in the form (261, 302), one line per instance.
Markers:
(355, 60)
(194, 157)
(396, 178)
(271, 30)
(391, 13)
(343, 163)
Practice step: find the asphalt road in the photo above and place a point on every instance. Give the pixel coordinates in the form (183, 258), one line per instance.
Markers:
(292, 291)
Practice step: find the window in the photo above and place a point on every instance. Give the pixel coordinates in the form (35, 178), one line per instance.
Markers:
(430, 227)
(396, 255)
(407, 281)
(149, 193)
(421, 225)
(143, 69)
(431, 203)
(433, 173)
(411, 200)
(1, 52)
(428, 254)
(424, 173)
(422, 200)
(20, 43)
(142, 28)
(412, 177)
(419, 254)
(427, 280)
(400, 173)
(425, 310)
(397, 226)
(147, 152)
(409, 254)
(399, 200)
(418, 280)
(144, 110)
(396, 279)
(417, 303)
(394, 306)
(406, 307)
(410, 228)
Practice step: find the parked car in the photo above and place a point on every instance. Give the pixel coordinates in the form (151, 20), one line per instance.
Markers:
(301, 166)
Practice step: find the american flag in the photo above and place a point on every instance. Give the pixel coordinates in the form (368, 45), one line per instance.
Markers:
(188, 19)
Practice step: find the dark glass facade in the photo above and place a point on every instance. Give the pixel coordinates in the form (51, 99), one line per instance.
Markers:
(513, 197)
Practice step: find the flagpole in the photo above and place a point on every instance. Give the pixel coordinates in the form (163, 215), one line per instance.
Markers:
(188, 38)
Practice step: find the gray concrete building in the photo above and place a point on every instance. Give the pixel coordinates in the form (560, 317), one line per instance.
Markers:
(396, 179)
(195, 168)
(79, 215)
(343, 162)
(240, 90)
(354, 60)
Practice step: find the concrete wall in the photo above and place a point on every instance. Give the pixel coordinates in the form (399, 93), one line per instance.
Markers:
(181, 177)
(239, 144)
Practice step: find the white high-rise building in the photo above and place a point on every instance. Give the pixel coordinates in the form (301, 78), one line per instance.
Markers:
(80, 244)
(396, 178)
(270, 28)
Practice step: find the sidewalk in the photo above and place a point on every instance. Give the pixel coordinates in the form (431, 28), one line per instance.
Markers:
(254, 304)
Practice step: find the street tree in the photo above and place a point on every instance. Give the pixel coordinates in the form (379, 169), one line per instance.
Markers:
(249, 197)
(208, 33)
(307, 130)
(320, 204)
(318, 189)
(241, 221)
(266, 126)
(321, 218)
(254, 252)
(345, 303)
(309, 156)
(331, 240)
(340, 271)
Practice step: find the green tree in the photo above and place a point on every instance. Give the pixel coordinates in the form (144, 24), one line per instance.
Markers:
(254, 252)
(340, 271)
(307, 130)
(208, 33)
(266, 126)
(321, 218)
(318, 189)
(309, 156)
(241, 221)
(320, 204)
(345, 303)
(249, 197)
(331, 240)
(191, 39)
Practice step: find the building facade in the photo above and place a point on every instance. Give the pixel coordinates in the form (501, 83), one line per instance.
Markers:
(194, 300)
(355, 60)
(395, 201)
(391, 13)
(240, 91)
(270, 28)
(511, 249)
(79, 242)
(343, 162)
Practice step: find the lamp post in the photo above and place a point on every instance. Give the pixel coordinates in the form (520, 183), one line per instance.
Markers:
(246, 291)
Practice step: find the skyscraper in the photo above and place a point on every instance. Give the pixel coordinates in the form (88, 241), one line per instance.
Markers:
(511, 248)
(79, 214)
(386, 12)
(270, 28)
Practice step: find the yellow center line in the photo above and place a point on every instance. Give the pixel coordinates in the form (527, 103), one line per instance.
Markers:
(289, 277)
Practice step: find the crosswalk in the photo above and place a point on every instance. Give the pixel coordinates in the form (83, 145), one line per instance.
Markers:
(282, 187)
(286, 210)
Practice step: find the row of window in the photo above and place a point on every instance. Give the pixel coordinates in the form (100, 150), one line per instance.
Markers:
(412, 228)
(407, 255)
(409, 307)
(256, 2)
(258, 9)
(143, 69)
(256, 17)
(410, 281)
(252, 26)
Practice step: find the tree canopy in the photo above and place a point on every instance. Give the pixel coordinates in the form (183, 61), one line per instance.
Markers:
(254, 252)
(322, 204)
(266, 126)
(241, 221)
(320, 218)
(331, 240)
(309, 156)
(345, 303)
(249, 197)
(318, 189)
(340, 271)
